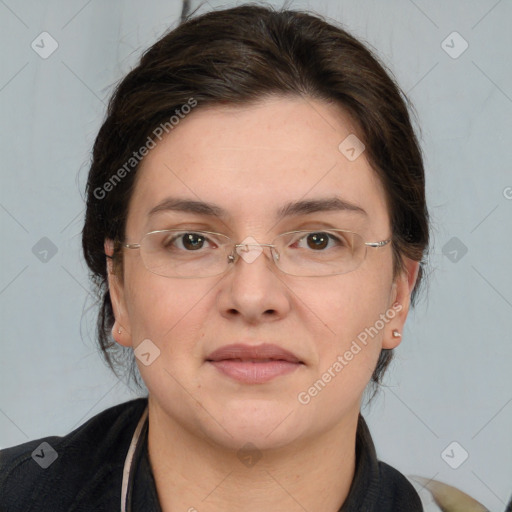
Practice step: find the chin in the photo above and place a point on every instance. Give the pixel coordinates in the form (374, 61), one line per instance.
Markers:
(266, 424)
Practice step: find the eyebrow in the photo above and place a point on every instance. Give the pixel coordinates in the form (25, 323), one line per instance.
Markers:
(289, 210)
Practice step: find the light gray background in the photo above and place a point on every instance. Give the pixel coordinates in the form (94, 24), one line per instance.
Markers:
(450, 380)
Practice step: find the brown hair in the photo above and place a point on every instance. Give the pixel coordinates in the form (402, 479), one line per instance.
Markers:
(238, 56)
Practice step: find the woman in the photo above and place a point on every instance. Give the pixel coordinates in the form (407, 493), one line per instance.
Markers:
(256, 224)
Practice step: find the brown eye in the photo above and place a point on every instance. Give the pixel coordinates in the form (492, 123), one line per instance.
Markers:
(192, 241)
(318, 240)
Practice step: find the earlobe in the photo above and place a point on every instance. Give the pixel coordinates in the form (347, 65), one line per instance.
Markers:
(121, 327)
(400, 298)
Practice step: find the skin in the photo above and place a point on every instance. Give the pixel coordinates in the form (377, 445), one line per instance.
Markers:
(251, 161)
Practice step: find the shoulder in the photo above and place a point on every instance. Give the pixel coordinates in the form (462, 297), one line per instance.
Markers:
(396, 490)
(62, 472)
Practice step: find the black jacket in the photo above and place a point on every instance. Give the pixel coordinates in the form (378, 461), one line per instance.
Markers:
(87, 473)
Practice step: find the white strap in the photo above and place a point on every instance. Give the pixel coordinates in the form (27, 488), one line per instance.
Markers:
(129, 458)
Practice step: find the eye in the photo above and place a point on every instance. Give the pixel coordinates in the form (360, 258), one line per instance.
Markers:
(317, 240)
(320, 240)
(186, 241)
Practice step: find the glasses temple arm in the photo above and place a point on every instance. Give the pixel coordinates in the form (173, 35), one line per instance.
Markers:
(378, 244)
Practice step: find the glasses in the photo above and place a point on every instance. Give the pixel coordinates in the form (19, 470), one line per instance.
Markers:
(189, 254)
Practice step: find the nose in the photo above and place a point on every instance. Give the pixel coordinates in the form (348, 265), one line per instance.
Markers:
(253, 290)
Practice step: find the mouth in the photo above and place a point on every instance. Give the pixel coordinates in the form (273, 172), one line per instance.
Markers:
(254, 364)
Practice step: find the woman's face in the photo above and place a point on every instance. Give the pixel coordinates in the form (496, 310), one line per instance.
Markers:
(251, 162)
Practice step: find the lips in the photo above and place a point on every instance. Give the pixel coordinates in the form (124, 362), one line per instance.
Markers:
(253, 353)
(250, 364)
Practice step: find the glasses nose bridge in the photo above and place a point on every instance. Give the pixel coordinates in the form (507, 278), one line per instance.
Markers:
(235, 254)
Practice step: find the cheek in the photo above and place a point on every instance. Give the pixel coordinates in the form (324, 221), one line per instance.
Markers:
(169, 312)
(350, 303)
(348, 345)
(171, 315)
(353, 309)
(346, 350)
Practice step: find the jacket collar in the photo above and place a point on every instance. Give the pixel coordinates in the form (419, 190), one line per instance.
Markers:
(364, 494)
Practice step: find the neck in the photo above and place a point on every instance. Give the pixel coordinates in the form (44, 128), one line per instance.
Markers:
(194, 475)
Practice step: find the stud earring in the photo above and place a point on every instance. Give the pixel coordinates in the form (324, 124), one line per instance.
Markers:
(396, 334)
(119, 330)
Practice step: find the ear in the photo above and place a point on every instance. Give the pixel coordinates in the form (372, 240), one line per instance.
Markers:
(116, 289)
(400, 301)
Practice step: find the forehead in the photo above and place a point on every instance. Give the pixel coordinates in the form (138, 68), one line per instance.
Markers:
(252, 159)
